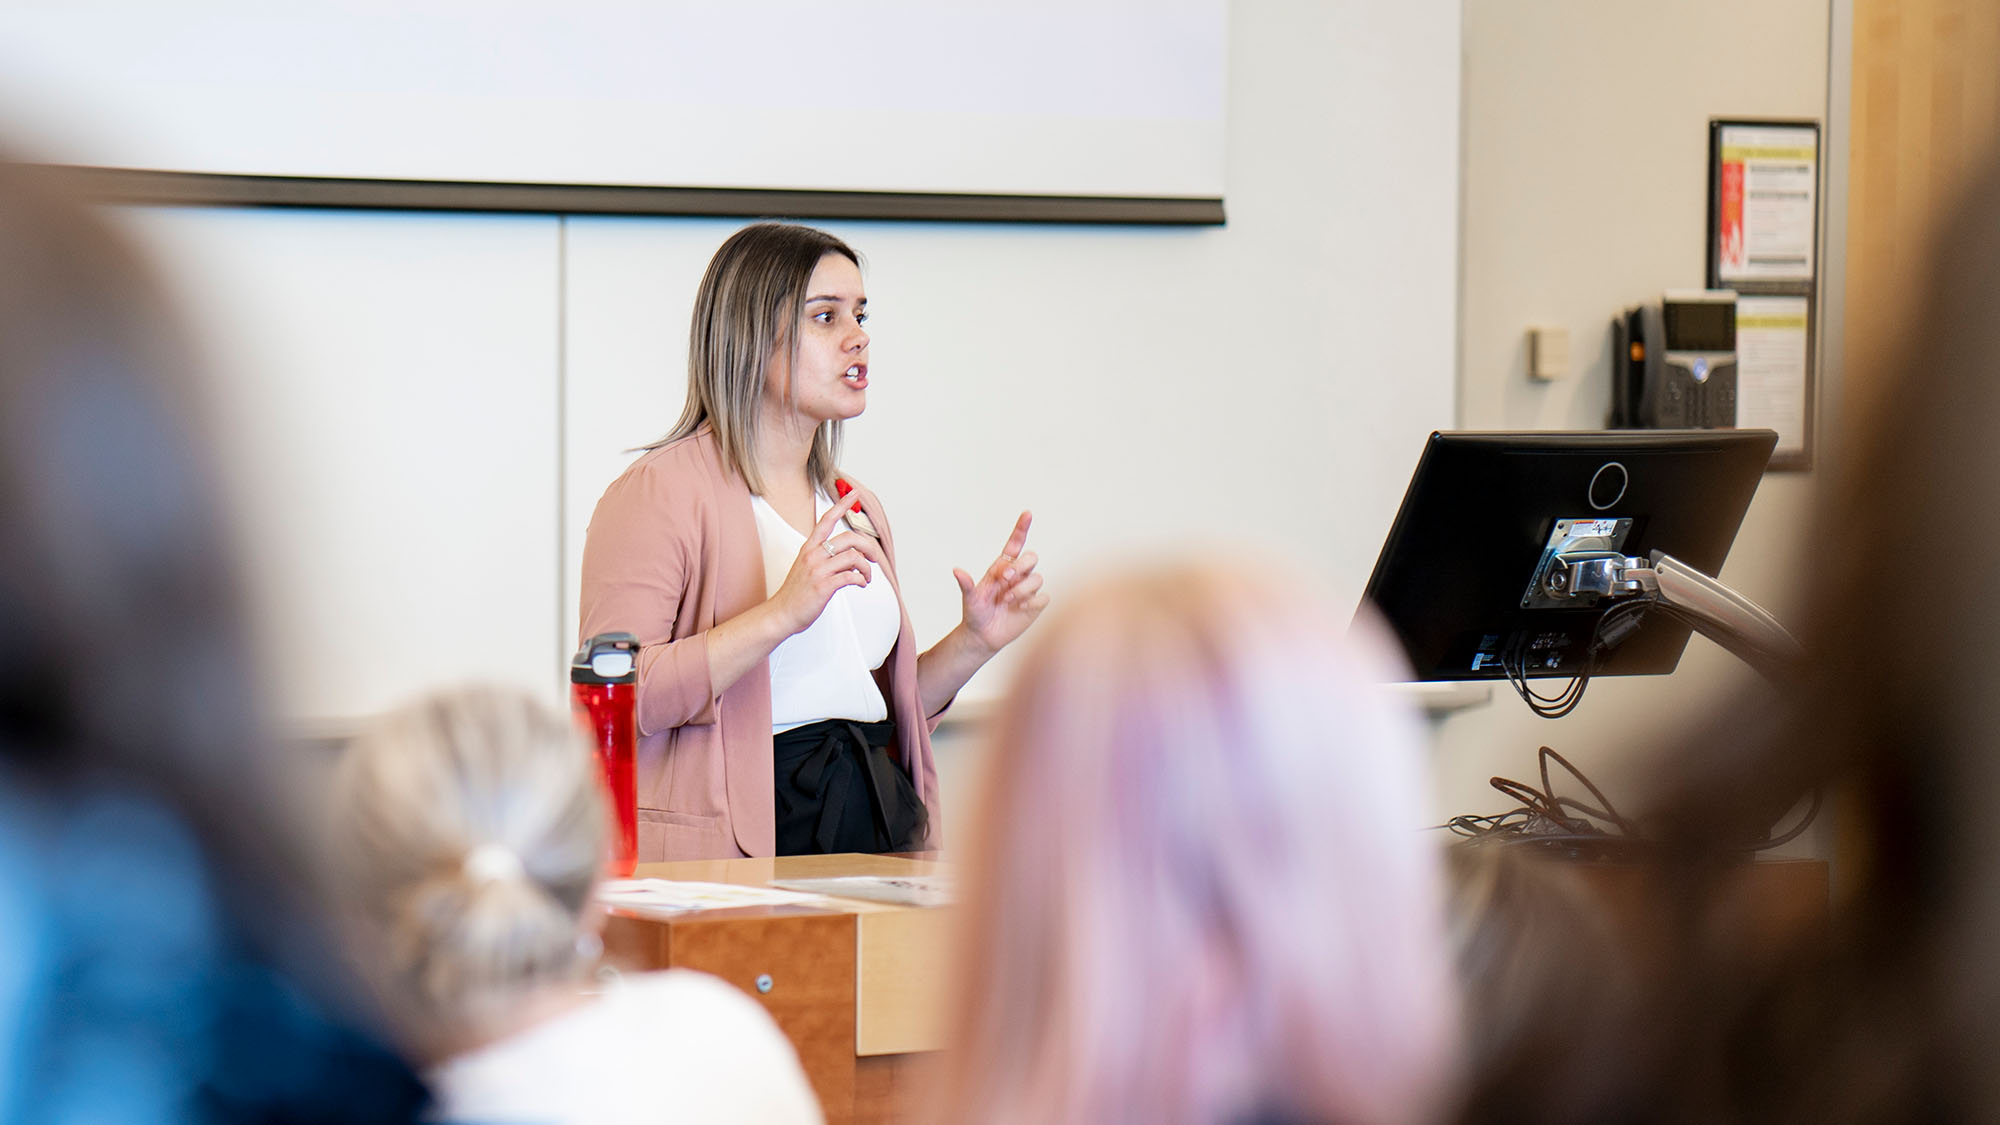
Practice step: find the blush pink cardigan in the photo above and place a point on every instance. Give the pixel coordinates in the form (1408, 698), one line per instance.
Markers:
(672, 549)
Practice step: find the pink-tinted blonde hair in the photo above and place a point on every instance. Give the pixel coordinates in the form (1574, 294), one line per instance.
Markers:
(1198, 889)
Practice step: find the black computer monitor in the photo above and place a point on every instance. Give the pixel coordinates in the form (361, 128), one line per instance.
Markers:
(1455, 573)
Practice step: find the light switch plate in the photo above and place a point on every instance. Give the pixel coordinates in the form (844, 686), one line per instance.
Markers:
(1548, 352)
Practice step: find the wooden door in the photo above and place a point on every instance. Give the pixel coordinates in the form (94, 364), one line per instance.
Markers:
(1925, 111)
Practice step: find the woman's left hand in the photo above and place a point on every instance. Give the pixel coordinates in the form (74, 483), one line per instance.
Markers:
(1006, 599)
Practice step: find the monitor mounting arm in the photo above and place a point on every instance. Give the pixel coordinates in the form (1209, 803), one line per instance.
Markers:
(1582, 577)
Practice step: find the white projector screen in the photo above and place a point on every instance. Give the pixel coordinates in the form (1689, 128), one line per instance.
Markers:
(1077, 98)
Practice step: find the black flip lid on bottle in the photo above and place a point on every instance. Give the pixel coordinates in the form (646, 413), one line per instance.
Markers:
(607, 658)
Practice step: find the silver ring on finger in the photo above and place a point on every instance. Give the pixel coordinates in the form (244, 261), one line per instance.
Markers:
(831, 550)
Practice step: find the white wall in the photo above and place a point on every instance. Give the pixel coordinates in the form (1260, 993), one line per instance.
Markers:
(1586, 156)
(388, 417)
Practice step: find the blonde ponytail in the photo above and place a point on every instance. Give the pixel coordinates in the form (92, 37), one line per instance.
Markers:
(471, 831)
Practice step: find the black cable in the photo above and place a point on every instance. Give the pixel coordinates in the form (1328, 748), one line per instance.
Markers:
(1514, 663)
(1586, 810)
(1547, 754)
(1547, 706)
(1604, 637)
(1543, 814)
(1545, 817)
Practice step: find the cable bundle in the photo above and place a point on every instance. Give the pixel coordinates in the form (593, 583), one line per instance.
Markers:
(1546, 818)
(1615, 624)
(1543, 815)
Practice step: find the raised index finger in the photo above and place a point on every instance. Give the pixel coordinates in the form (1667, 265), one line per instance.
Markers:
(823, 530)
(1019, 539)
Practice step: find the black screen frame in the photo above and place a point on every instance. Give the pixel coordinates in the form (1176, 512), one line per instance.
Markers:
(1479, 511)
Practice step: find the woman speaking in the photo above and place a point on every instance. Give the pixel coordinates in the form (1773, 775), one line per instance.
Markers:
(783, 706)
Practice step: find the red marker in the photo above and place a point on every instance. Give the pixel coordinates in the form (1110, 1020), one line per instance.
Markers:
(856, 518)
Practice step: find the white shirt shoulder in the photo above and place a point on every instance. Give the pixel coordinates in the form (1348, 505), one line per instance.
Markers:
(655, 1047)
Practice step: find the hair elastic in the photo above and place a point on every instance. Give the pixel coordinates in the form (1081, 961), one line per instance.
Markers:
(491, 863)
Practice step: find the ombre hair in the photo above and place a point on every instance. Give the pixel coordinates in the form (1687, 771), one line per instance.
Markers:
(471, 832)
(1197, 889)
(750, 302)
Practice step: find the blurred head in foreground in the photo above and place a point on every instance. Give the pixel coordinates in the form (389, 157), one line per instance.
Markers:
(1893, 1012)
(122, 642)
(160, 944)
(471, 832)
(1198, 890)
(1550, 985)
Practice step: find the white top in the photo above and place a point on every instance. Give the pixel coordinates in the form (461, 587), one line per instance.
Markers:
(672, 1046)
(826, 670)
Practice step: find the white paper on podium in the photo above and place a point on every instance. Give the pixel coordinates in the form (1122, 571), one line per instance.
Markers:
(668, 896)
(905, 890)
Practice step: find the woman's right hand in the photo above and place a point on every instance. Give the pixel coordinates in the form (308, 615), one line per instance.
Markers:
(832, 557)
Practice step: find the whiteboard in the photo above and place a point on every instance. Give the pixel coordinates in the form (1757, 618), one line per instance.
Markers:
(1118, 98)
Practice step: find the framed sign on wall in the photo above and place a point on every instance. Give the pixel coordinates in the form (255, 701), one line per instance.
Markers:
(1763, 242)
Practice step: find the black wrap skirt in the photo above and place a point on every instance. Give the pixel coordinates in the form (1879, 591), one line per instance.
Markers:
(840, 789)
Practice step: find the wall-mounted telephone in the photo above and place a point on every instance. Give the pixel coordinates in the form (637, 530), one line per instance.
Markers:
(1673, 365)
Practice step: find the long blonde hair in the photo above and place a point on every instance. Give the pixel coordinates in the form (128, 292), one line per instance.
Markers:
(470, 831)
(1197, 891)
(749, 304)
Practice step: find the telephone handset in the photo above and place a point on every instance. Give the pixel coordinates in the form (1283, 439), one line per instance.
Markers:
(1673, 365)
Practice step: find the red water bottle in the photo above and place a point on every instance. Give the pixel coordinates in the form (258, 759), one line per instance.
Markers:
(604, 691)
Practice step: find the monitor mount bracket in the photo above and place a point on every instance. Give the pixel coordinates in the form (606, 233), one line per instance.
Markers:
(1583, 564)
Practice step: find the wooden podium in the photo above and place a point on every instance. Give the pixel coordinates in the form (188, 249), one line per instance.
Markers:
(858, 986)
